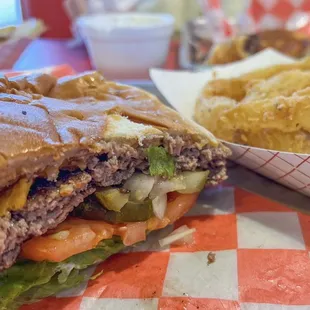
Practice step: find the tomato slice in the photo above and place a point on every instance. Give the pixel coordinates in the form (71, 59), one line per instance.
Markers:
(80, 239)
(78, 235)
(178, 204)
(172, 196)
(132, 233)
(102, 229)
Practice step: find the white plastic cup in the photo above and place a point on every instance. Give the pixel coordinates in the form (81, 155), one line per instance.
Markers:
(126, 45)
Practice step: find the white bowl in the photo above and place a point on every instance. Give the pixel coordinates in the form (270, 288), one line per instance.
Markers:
(126, 45)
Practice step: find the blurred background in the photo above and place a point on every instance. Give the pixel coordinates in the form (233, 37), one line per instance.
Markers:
(173, 34)
(11, 10)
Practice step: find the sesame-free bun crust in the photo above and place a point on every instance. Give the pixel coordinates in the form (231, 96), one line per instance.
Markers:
(45, 122)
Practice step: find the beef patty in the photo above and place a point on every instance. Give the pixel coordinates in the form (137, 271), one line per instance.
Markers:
(49, 203)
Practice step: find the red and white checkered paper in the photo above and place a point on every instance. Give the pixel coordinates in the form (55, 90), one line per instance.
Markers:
(264, 14)
(261, 261)
(260, 15)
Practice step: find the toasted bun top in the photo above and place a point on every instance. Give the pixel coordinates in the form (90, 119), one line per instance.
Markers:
(43, 122)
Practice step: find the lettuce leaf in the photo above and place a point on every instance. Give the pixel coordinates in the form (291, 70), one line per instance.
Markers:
(29, 281)
(161, 162)
(48, 289)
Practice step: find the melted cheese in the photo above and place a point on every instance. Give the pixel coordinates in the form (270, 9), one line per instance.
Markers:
(15, 197)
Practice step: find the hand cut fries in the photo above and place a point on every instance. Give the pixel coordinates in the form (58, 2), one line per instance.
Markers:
(268, 108)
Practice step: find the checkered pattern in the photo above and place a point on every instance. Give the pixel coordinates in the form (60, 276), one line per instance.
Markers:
(265, 14)
(289, 169)
(262, 256)
(262, 262)
(262, 14)
(214, 13)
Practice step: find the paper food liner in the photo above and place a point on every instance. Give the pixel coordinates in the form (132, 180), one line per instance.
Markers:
(260, 249)
(181, 89)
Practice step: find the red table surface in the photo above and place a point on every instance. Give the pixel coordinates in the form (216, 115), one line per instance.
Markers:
(49, 52)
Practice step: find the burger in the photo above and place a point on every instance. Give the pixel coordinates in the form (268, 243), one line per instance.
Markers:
(87, 168)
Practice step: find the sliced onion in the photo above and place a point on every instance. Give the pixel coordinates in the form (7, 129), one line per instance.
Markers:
(189, 239)
(194, 181)
(177, 236)
(140, 185)
(159, 206)
(166, 186)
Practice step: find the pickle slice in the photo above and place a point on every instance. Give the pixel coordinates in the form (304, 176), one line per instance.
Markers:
(112, 199)
(132, 212)
(91, 209)
(194, 181)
